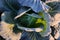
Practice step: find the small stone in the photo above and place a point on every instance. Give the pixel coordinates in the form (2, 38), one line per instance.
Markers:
(51, 38)
(56, 35)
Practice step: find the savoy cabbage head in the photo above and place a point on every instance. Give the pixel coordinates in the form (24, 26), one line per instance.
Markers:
(34, 21)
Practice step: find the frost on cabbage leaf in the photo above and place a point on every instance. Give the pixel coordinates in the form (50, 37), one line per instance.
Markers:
(13, 8)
